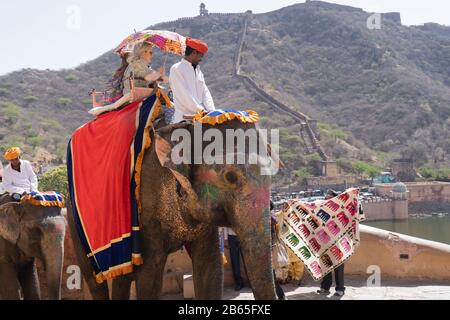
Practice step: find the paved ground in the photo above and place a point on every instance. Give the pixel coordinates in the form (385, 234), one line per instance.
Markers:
(356, 290)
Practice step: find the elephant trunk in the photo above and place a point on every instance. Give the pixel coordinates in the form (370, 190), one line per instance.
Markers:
(253, 232)
(53, 251)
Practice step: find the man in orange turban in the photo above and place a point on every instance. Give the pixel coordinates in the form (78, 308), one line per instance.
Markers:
(18, 176)
(12, 153)
(190, 93)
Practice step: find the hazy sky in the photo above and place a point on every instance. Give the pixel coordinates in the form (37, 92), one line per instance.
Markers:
(64, 33)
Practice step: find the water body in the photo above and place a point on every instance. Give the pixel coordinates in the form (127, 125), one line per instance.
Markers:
(430, 228)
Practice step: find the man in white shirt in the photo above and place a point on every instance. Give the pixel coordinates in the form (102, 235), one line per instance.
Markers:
(190, 93)
(18, 176)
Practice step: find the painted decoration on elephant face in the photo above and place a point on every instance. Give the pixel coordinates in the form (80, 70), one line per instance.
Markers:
(323, 234)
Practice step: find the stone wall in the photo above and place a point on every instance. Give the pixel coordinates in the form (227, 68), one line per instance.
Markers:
(397, 256)
(386, 209)
(340, 180)
(420, 191)
(403, 170)
(329, 169)
(178, 264)
(400, 256)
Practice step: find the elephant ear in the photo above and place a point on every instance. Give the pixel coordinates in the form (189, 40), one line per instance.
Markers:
(165, 147)
(10, 221)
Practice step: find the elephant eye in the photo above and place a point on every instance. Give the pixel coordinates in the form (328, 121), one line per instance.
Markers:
(231, 177)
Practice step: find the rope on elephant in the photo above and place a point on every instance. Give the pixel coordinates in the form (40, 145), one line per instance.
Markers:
(322, 234)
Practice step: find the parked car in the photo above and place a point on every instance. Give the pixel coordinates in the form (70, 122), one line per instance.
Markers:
(317, 193)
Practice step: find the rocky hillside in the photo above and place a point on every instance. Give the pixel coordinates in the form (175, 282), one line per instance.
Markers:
(377, 94)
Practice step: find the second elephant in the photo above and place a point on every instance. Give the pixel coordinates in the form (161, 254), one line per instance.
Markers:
(28, 232)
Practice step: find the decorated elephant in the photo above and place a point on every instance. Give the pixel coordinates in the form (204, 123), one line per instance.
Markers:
(186, 203)
(5, 198)
(28, 232)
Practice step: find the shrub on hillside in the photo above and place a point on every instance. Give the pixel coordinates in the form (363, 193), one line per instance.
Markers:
(10, 112)
(51, 124)
(64, 102)
(4, 92)
(35, 141)
(55, 180)
(30, 99)
(362, 167)
(71, 78)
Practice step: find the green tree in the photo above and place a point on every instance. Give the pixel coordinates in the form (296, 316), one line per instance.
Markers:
(71, 78)
(12, 141)
(55, 180)
(51, 123)
(64, 102)
(4, 92)
(35, 141)
(362, 167)
(429, 173)
(10, 111)
(30, 99)
(302, 174)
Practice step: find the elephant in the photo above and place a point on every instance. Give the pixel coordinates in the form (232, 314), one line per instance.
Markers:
(5, 198)
(186, 203)
(28, 232)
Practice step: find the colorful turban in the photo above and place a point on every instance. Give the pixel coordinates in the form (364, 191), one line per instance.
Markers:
(12, 153)
(198, 45)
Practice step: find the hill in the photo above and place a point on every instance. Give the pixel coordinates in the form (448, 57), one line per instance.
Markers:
(377, 94)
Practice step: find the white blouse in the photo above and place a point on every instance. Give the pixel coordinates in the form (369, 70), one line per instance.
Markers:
(190, 93)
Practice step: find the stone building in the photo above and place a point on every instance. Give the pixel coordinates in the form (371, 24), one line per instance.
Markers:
(393, 205)
(403, 170)
(203, 11)
(431, 191)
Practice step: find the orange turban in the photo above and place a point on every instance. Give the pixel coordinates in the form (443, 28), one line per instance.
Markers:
(198, 45)
(12, 153)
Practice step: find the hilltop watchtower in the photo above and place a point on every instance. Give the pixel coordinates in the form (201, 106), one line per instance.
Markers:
(203, 11)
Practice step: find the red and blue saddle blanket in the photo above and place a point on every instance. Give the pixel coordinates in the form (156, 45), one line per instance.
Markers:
(104, 160)
(45, 199)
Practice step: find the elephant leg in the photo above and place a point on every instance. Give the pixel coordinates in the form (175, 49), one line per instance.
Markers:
(207, 264)
(149, 276)
(121, 287)
(29, 282)
(10, 287)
